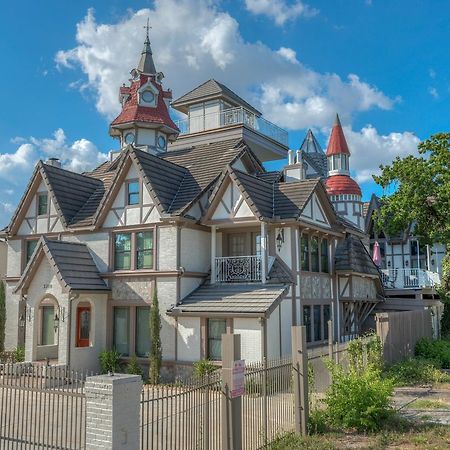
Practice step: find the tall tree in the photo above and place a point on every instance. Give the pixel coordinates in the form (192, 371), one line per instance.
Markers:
(155, 339)
(418, 191)
(2, 316)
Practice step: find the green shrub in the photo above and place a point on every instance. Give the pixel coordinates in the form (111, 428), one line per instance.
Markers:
(318, 421)
(110, 361)
(19, 353)
(358, 398)
(438, 351)
(133, 367)
(414, 371)
(203, 367)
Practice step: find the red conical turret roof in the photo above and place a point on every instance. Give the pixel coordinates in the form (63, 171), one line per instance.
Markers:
(338, 144)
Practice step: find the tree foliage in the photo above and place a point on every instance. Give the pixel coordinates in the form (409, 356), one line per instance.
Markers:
(155, 339)
(2, 316)
(419, 189)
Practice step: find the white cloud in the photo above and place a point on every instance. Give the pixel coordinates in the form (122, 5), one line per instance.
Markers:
(280, 10)
(201, 42)
(14, 165)
(433, 92)
(370, 149)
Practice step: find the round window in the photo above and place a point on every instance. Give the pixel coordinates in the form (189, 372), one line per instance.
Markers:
(129, 138)
(161, 142)
(148, 96)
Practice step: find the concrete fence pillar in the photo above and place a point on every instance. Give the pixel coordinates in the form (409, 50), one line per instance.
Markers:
(231, 407)
(112, 412)
(300, 375)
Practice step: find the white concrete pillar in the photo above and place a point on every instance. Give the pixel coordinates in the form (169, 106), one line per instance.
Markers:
(213, 253)
(264, 252)
(112, 412)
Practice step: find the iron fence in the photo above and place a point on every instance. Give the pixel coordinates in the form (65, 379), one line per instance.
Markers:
(182, 417)
(41, 407)
(268, 402)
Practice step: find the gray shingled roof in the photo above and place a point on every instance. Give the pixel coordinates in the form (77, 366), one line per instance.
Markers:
(228, 299)
(352, 256)
(208, 90)
(314, 155)
(291, 198)
(72, 263)
(270, 177)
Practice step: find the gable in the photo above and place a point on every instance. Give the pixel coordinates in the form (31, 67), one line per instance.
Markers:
(314, 212)
(231, 204)
(122, 214)
(29, 221)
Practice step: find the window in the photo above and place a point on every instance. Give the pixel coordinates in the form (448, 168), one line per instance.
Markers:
(324, 255)
(48, 325)
(326, 318)
(142, 256)
(307, 322)
(42, 204)
(31, 246)
(83, 326)
(148, 96)
(133, 193)
(304, 249)
(314, 254)
(216, 327)
(122, 251)
(161, 142)
(129, 138)
(144, 250)
(121, 338)
(317, 323)
(142, 331)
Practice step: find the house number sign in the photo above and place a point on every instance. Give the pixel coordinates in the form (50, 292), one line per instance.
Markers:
(47, 286)
(238, 379)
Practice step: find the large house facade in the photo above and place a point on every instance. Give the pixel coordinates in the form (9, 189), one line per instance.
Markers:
(187, 210)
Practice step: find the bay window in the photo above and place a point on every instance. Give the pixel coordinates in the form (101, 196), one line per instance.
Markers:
(324, 256)
(314, 254)
(304, 251)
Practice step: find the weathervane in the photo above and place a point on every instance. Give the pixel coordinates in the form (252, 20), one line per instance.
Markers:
(147, 27)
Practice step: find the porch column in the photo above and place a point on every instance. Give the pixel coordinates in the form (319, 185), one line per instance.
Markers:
(213, 253)
(264, 252)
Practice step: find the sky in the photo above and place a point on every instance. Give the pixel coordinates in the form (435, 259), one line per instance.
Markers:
(382, 65)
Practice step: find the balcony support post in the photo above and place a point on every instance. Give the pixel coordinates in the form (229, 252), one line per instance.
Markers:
(264, 246)
(213, 254)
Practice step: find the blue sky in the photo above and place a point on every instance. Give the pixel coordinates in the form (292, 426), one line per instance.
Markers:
(382, 65)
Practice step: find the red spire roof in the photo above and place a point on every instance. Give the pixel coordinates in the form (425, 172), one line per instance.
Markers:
(337, 144)
(133, 112)
(342, 184)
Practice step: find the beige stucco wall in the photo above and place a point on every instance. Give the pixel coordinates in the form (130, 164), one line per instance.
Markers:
(195, 251)
(250, 330)
(188, 339)
(3, 258)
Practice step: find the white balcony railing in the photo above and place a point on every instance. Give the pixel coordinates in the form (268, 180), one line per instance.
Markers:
(242, 269)
(409, 278)
(233, 116)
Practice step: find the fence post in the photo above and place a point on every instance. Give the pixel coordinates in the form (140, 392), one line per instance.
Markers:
(231, 407)
(300, 375)
(112, 412)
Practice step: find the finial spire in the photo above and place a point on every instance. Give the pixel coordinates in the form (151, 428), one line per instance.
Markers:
(146, 64)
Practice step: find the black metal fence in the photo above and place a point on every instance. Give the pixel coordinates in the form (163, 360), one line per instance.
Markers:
(41, 407)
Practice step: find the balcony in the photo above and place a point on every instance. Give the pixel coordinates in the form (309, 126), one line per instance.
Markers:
(230, 117)
(409, 278)
(240, 269)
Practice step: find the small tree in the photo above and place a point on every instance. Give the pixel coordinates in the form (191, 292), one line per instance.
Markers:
(155, 339)
(420, 195)
(2, 316)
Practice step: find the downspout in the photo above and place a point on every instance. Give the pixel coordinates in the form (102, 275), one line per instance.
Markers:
(69, 327)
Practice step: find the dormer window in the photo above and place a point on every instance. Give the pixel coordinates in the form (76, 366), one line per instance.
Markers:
(161, 142)
(129, 138)
(42, 204)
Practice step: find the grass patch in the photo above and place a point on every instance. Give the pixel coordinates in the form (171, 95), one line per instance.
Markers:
(408, 435)
(423, 403)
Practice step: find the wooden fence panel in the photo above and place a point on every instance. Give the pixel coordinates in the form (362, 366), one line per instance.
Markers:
(400, 331)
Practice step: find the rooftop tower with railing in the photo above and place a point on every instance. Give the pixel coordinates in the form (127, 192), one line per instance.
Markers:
(216, 113)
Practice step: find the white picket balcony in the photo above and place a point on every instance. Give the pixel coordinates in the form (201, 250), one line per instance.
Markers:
(240, 269)
(409, 278)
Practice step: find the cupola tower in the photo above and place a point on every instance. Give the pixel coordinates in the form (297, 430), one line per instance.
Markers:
(144, 120)
(344, 192)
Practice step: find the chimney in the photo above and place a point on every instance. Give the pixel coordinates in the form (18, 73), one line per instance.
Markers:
(55, 162)
(295, 170)
(290, 157)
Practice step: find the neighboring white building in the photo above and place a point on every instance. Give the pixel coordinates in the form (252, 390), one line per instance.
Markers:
(187, 210)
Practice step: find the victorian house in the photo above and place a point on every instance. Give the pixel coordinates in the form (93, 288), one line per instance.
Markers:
(186, 208)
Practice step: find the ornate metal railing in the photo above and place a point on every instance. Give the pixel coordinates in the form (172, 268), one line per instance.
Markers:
(242, 269)
(233, 116)
(409, 278)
